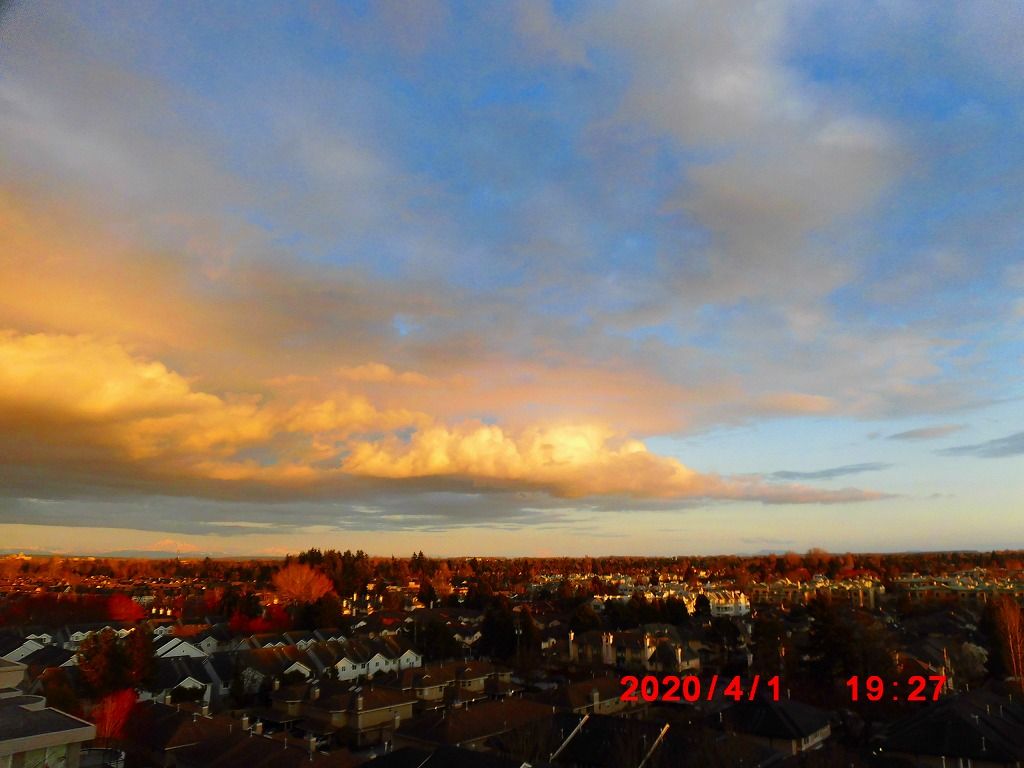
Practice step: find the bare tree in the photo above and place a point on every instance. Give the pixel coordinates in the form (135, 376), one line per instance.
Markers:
(1010, 624)
(297, 583)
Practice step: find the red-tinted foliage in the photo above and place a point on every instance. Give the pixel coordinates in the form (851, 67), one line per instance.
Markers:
(111, 714)
(123, 608)
(53, 610)
(275, 619)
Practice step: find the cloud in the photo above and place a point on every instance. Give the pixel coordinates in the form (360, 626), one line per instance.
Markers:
(785, 162)
(169, 545)
(547, 36)
(927, 433)
(1001, 447)
(301, 289)
(832, 472)
(378, 373)
(137, 418)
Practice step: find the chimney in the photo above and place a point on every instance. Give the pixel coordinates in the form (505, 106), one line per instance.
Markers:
(314, 693)
(167, 699)
(359, 702)
(206, 710)
(258, 728)
(245, 721)
(595, 697)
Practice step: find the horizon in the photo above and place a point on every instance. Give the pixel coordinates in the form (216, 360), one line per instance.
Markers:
(190, 556)
(533, 278)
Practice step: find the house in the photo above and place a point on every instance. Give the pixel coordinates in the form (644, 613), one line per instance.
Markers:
(185, 678)
(786, 725)
(50, 656)
(71, 636)
(602, 741)
(443, 757)
(15, 648)
(329, 634)
(157, 734)
(32, 733)
(217, 637)
(983, 729)
(170, 647)
(161, 627)
(472, 726)
(300, 639)
(267, 640)
(362, 715)
(463, 681)
(600, 695)
(728, 603)
(652, 648)
(261, 669)
(39, 634)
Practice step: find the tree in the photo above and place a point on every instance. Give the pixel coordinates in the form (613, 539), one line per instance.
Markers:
(140, 664)
(427, 594)
(497, 633)
(1010, 627)
(298, 583)
(101, 663)
(584, 618)
(702, 605)
(59, 692)
(436, 642)
(111, 714)
(123, 608)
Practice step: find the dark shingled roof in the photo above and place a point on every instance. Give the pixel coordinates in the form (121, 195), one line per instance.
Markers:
(442, 757)
(406, 757)
(456, 757)
(487, 718)
(980, 725)
(609, 742)
(775, 719)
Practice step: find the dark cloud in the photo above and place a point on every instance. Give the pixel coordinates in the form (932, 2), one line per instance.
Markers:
(927, 433)
(832, 472)
(1000, 447)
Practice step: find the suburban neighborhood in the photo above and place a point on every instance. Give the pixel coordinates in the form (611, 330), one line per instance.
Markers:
(340, 659)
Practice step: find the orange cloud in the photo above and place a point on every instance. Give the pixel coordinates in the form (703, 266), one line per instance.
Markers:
(378, 373)
(570, 461)
(796, 403)
(140, 418)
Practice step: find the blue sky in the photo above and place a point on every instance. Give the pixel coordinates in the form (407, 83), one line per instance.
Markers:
(511, 278)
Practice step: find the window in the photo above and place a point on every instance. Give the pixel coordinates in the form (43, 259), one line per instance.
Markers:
(56, 757)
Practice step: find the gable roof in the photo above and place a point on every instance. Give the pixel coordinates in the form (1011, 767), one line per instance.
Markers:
(784, 719)
(980, 725)
(477, 721)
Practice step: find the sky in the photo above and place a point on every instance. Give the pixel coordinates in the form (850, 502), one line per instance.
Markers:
(527, 278)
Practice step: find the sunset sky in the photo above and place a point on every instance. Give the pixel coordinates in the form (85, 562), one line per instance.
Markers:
(511, 278)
